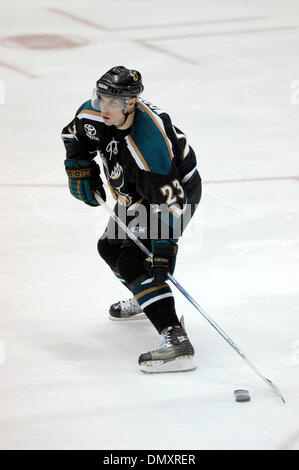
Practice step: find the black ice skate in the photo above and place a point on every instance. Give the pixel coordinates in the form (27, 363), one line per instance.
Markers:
(126, 310)
(174, 353)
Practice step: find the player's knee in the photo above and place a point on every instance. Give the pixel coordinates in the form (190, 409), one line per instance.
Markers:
(129, 265)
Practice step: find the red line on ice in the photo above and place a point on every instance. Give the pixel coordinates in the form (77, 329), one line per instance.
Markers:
(193, 23)
(167, 52)
(248, 180)
(153, 26)
(17, 69)
(222, 33)
(79, 19)
(33, 185)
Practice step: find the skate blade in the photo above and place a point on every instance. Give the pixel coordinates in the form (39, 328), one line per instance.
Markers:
(180, 364)
(138, 316)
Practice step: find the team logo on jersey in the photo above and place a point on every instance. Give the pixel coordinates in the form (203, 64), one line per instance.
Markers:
(90, 131)
(115, 181)
(117, 172)
(112, 148)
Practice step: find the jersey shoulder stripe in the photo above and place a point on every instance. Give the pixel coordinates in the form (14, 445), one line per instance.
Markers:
(152, 148)
(159, 123)
(136, 154)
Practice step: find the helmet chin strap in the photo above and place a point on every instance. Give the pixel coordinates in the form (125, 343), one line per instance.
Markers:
(126, 115)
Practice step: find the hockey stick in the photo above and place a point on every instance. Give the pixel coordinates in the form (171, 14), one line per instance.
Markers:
(188, 297)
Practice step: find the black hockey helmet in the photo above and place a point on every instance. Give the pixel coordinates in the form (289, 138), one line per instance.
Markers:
(120, 82)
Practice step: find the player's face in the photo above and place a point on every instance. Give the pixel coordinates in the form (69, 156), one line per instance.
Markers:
(112, 110)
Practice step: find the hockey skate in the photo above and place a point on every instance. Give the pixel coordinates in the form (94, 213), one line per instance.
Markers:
(126, 310)
(174, 353)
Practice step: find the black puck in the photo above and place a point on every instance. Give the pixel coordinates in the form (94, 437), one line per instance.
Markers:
(242, 395)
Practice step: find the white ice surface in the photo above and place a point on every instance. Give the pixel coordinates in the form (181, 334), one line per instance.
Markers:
(69, 376)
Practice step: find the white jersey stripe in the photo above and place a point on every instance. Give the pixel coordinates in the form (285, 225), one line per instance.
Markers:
(188, 175)
(155, 299)
(186, 150)
(92, 117)
(135, 155)
(68, 136)
(147, 281)
(179, 135)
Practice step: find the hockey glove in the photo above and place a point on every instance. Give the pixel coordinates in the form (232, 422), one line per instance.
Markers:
(163, 262)
(84, 179)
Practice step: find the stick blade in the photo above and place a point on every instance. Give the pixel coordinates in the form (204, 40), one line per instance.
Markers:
(276, 390)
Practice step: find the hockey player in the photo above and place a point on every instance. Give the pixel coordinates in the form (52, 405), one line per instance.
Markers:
(150, 170)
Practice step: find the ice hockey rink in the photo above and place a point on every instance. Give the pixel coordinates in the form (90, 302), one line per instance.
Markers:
(227, 73)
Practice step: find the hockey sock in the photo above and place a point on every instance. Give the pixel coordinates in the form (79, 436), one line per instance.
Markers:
(157, 302)
(116, 273)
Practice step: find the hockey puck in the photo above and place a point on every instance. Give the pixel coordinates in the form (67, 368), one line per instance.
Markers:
(242, 395)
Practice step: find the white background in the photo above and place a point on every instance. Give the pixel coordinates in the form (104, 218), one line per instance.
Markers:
(226, 72)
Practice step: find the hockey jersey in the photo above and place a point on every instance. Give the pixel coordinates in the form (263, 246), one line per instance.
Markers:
(151, 163)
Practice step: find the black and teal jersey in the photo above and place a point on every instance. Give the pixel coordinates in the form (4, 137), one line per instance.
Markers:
(151, 163)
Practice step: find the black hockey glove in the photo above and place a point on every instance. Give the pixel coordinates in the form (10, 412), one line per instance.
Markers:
(84, 179)
(163, 262)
